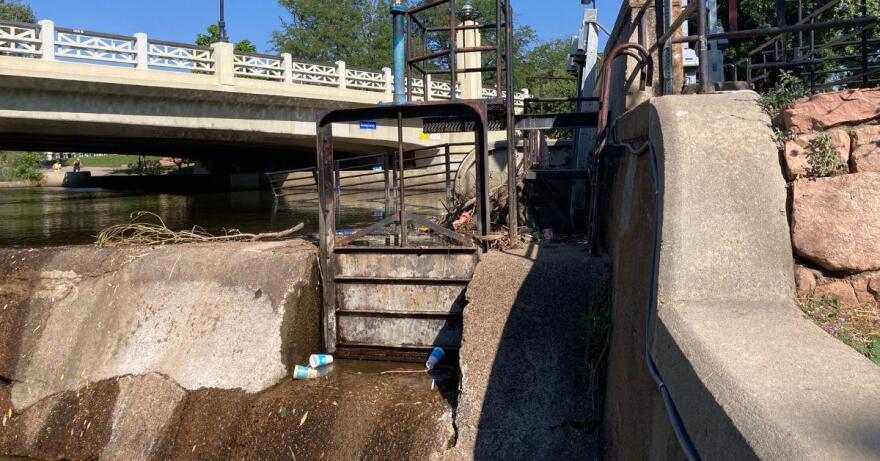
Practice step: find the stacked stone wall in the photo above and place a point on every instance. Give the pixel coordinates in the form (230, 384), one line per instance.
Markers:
(830, 152)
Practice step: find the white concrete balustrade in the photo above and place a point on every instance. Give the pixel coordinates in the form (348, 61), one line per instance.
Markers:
(44, 41)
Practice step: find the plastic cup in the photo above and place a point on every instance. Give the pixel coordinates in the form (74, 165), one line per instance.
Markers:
(301, 372)
(436, 356)
(320, 360)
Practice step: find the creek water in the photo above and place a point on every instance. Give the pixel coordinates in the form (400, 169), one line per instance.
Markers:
(41, 217)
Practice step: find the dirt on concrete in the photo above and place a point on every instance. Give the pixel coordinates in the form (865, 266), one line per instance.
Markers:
(358, 411)
(529, 383)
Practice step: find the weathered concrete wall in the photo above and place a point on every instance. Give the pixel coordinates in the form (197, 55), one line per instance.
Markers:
(183, 352)
(229, 316)
(751, 377)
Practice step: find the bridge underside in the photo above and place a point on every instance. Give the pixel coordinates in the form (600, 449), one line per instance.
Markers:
(72, 107)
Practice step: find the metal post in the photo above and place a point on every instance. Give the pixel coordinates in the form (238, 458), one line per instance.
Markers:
(447, 158)
(337, 188)
(864, 12)
(512, 201)
(404, 238)
(453, 44)
(387, 178)
(667, 59)
(705, 86)
(222, 24)
(399, 35)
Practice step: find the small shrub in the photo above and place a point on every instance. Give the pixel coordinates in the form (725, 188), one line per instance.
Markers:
(788, 89)
(27, 167)
(823, 158)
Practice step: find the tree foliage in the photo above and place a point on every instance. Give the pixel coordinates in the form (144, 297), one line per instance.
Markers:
(20, 166)
(213, 36)
(16, 10)
(359, 33)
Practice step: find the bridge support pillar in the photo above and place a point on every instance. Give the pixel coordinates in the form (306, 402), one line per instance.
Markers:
(47, 39)
(224, 63)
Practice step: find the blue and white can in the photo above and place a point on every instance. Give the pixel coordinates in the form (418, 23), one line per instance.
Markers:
(320, 360)
(436, 356)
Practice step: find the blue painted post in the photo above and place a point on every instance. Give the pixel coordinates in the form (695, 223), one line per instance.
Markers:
(398, 15)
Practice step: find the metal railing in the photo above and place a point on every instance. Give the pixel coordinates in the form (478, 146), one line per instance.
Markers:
(788, 46)
(44, 41)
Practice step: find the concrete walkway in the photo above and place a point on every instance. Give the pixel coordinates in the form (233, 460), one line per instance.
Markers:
(528, 384)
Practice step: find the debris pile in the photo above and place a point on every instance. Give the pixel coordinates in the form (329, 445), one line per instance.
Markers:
(147, 228)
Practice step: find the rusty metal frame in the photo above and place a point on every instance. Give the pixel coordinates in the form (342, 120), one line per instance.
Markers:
(475, 111)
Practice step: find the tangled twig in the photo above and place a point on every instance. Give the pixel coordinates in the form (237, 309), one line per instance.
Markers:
(147, 228)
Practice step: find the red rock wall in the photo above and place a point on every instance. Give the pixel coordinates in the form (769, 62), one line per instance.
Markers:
(835, 220)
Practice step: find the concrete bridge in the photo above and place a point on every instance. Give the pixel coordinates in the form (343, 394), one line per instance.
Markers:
(152, 96)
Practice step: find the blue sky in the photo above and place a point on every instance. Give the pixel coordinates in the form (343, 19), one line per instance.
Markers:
(181, 20)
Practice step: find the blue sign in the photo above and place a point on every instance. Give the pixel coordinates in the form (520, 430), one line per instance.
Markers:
(368, 125)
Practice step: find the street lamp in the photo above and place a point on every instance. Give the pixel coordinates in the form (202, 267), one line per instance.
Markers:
(222, 24)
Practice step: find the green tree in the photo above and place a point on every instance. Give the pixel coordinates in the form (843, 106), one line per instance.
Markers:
(213, 36)
(359, 33)
(542, 69)
(20, 166)
(15, 10)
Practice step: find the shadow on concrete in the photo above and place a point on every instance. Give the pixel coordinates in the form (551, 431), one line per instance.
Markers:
(542, 394)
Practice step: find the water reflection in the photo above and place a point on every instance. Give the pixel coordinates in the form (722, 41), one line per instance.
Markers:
(36, 217)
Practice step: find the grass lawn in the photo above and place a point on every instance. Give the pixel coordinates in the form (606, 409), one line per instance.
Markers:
(110, 161)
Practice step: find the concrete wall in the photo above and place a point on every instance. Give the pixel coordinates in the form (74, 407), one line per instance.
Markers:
(750, 376)
(226, 316)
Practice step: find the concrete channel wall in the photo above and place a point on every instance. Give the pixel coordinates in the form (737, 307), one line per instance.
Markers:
(749, 374)
(224, 316)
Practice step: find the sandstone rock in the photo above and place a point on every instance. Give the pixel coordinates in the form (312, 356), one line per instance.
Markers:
(826, 110)
(860, 286)
(866, 149)
(842, 289)
(874, 287)
(798, 151)
(806, 281)
(836, 221)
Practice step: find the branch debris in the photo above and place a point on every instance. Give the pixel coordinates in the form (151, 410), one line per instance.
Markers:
(146, 228)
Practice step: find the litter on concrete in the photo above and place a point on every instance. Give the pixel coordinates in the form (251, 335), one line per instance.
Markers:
(436, 356)
(320, 360)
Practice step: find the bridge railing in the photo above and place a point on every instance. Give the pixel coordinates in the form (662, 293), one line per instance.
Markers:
(44, 41)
